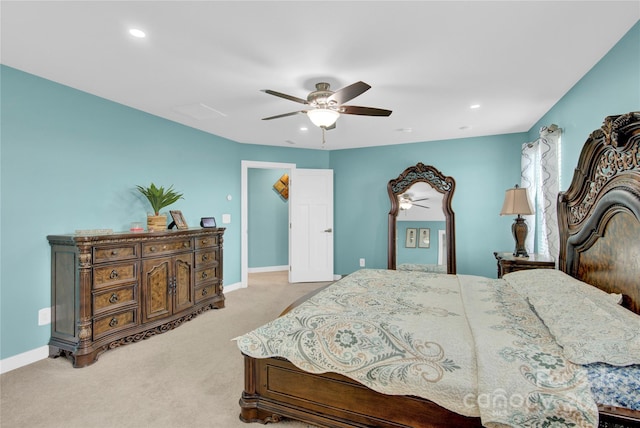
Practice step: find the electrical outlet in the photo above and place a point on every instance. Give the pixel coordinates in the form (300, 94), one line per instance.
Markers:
(361, 262)
(44, 316)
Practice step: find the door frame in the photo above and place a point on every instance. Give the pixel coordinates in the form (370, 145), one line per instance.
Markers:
(442, 251)
(244, 211)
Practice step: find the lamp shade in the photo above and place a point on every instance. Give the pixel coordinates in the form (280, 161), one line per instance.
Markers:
(516, 201)
(323, 117)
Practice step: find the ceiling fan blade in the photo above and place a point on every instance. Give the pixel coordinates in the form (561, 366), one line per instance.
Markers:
(285, 96)
(421, 206)
(349, 92)
(418, 200)
(364, 111)
(329, 128)
(293, 113)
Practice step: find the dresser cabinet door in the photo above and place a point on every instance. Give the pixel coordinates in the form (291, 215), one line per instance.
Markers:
(167, 286)
(183, 289)
(156, 287)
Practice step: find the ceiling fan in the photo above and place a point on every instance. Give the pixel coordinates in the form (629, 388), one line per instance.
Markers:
(406, 202)
(325, 105)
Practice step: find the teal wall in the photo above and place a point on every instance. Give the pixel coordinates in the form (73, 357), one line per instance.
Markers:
(70, 160)
(268, 219)
(482, 167)
(611, 87)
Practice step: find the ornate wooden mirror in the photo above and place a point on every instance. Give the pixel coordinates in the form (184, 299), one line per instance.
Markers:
(421, 221)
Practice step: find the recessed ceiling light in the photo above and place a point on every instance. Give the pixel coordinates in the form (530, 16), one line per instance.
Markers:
(407, 130)
(304, 128)
(474, 106)
(137, 33)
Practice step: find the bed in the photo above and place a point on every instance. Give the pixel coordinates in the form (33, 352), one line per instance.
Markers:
(422, 267)
(350, 381)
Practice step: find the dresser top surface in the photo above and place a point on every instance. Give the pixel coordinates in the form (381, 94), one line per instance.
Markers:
(164, 234)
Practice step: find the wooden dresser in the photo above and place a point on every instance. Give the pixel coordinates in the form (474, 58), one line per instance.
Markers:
(108, 290)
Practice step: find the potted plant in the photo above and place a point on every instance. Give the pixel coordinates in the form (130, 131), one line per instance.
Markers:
(158, 197)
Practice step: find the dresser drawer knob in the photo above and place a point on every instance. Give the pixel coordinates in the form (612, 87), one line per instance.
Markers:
(152, 249)
(205, 257)
(204, 291)
(205, 242)
(114, 298)
(114, 274)
(113, 322)
(204, 275)
(114, 253)
(185, 244)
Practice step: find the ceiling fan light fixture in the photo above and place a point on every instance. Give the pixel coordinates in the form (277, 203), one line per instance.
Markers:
(405, 203)
(323, 117)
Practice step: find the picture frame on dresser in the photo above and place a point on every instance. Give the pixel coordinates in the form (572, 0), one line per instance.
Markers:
(178, 220)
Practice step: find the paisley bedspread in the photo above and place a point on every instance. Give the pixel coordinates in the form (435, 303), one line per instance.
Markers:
(470, 344)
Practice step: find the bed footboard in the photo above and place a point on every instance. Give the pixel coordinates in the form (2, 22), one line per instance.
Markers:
(276, 389)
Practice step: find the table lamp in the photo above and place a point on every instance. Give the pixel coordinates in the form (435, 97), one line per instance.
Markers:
(516, 201)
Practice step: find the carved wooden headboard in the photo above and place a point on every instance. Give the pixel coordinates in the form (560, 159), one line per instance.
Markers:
(599, 214)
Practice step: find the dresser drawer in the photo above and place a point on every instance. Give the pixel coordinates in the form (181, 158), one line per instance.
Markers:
(116, 253)
(114, 298)
(207, 258)
(206, 274)
(110, 275)
(113, 323)
(165, 247)
(206, 292)
(206, 241)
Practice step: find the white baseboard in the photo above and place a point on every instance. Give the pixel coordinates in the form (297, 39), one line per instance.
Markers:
(24, 359)
(234, 287)
(276, 269)
(267, 269)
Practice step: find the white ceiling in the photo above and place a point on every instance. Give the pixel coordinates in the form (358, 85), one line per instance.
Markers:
(203, 63)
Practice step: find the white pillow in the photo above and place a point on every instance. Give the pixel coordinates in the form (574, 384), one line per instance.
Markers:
(551, 279)
(587, 322)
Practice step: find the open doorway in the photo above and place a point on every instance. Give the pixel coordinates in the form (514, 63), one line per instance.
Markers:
(442, 247)
(244, 210)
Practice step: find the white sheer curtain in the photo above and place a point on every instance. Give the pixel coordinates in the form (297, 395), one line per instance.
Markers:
(541, 175)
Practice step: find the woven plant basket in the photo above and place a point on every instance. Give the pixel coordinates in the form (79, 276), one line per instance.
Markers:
(156, 223)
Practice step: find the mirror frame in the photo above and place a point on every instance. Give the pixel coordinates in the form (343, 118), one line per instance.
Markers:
(441, 183)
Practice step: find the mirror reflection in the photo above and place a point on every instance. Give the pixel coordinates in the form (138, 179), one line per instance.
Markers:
(421, 222)
(421, 230)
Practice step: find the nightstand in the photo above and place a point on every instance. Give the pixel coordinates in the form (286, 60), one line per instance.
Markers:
(507, 262)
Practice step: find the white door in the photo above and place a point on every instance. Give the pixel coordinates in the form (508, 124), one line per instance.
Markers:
(311, 225)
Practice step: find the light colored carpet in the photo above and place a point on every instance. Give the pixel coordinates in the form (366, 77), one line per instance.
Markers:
(189, 377)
